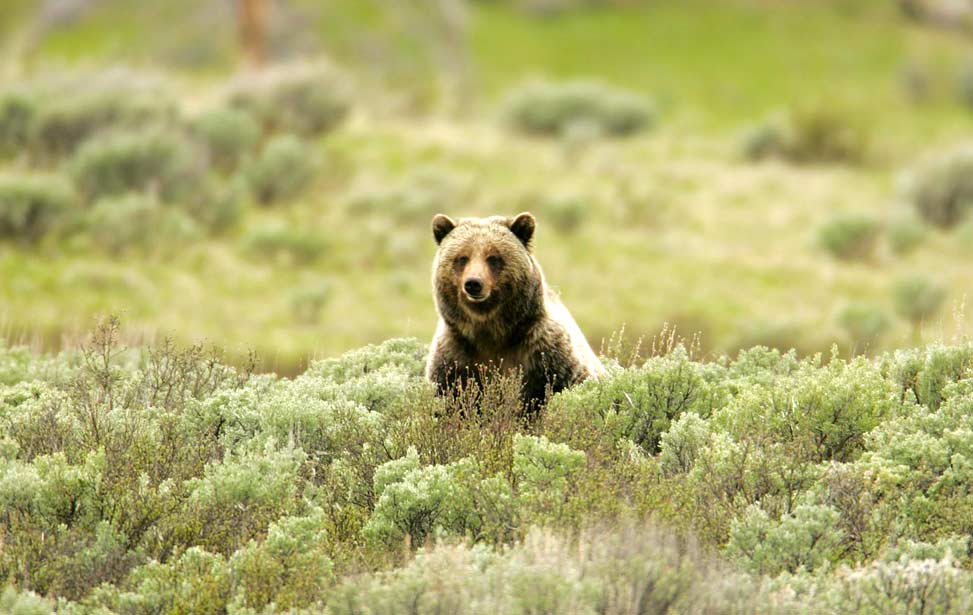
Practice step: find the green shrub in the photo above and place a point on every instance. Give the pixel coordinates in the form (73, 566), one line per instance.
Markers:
(230, 135)
(769, 138)
(941, 189)
(551, 109)
(565, 212)
(545, 474)
(806, 135)
(822, 134)
(290, 568)
(805, 540)
(305, 100)
(139, 222)
(281, 171)
(638, 403)
(237, 499)
(70, 117)
(308, 301)
(194, 582)
(850, 237)
(414, 501)
(964, 84)
(865, 324)
(33, 205)
(917, 299)
(160, 162)
(906, 234)
(24, 603)
(286, 244)
(17, 113)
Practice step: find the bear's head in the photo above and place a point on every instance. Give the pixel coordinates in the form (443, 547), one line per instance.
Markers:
(484, 269)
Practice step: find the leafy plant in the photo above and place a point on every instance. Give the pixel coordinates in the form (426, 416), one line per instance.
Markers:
(33, 205)
(281, 171)
(551, 109)
(941, 189)
(850, 237)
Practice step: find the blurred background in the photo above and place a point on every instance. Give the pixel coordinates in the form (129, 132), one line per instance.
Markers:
(261, 174)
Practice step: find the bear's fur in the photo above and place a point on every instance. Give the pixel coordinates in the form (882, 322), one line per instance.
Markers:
(496, 310)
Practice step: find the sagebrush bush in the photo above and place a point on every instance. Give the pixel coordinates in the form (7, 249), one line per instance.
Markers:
(17, 113)
(160, 480)
(917, 298)
(306, 100)
(138, 222)
(230, 136)
(638, 403)
(806, 135)
(281, 171)
(551, 109)
(71, 110)
(850, 237)
(308, 301)
(156, 161)
(33, 205)
(941, 189)
(906, 234)
(865, 324)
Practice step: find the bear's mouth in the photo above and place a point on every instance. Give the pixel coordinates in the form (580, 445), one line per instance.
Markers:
(475, 298)
(480, 305)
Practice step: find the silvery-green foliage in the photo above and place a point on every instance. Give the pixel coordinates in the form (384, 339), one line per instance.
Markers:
(950, 548)
(545, 474)
(237, 499)
(161, 161)
(281, 170)
(941, 189)
(925, 373)
(33, 205)
(639, 403)
(554, 109)
(680, 446)
(806, 539)
(921, 586)
(230, 135)
(288, 568)
(630, 569)
(815, 414)
(307, 100)
(194, 582)
(407, 355)
(16, 602)
(422, 501)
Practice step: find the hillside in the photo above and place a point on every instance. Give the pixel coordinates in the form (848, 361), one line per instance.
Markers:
(672, 224)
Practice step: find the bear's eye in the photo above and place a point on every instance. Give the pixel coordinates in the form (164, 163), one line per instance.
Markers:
(462, 260)
(495, 262)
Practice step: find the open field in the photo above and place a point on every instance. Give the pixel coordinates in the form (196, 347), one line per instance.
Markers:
(673, 225)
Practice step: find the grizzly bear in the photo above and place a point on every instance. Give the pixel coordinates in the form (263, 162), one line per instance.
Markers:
(497, 312)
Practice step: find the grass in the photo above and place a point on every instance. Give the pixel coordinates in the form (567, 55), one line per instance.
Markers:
(677, 228)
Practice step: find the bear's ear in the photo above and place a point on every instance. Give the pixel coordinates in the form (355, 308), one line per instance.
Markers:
(523, 227)
(441, 226)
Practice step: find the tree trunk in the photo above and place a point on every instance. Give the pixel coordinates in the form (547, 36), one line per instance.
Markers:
(252, 17)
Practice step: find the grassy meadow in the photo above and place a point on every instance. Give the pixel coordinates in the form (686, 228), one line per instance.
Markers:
(673, 224)
(215, 300)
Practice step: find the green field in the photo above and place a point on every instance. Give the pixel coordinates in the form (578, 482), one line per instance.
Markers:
(249, 431)
(675, 226)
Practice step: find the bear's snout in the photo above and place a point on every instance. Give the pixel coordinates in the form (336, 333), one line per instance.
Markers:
(473, 288)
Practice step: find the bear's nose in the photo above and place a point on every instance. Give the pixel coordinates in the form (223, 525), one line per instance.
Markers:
(473, 287)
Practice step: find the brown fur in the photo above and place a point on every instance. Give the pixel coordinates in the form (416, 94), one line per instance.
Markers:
(515, 322)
